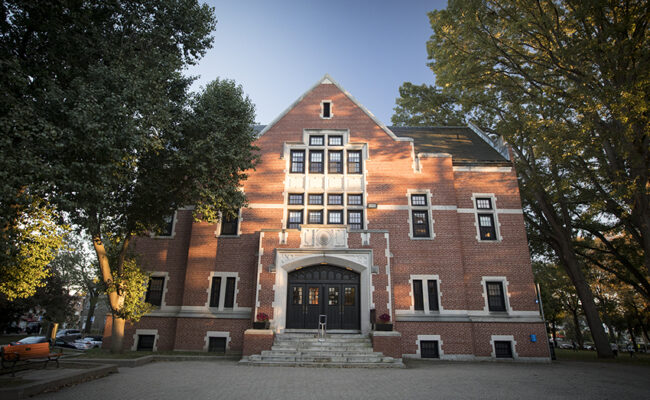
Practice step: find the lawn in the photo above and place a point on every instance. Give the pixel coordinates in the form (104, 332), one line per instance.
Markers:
(588, 355)
(103, 353)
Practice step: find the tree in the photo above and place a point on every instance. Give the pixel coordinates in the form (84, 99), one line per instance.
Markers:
(566, 83)
(28, 245)
(555, 288)
(97, 97)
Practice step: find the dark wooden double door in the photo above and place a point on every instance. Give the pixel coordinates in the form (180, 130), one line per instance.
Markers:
(323, 290)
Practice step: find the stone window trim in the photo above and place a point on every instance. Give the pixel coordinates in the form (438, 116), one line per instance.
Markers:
(222, 292)
(426, 208)
(437, 338)
(322, 109)
(505, 338)
(492, 212)
(173, 230)
(222, 334)
(425, 293)
(506, 293)
(165, 276)
(217, 232)
(139, 332)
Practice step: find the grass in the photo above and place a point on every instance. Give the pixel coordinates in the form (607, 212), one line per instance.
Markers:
(103, 353)
(591, 356)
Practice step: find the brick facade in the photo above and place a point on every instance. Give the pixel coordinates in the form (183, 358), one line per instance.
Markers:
(385, 253)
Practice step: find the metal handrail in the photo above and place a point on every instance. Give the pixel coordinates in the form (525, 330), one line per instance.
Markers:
(322, 327)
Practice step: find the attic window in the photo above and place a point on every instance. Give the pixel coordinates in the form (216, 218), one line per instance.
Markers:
(326, 109)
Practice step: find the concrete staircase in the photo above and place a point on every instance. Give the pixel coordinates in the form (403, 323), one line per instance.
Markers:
(337, 350)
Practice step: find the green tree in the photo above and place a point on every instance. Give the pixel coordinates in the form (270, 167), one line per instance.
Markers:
(566, 83)
(96, 95)
(27, 247)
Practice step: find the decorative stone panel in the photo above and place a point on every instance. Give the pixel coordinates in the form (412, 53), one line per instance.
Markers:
(323, 238)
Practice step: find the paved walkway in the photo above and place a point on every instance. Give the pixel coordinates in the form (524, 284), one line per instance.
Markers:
(422, 380)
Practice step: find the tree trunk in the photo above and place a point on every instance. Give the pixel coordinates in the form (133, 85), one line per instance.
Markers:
(554, 332)
(91, 313)
(572, 267)
(116, 300)
(117, 334)
(632, 338)
(576, 323)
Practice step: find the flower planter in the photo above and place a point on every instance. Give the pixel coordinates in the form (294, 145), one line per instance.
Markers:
(261, 325)
(383, 327)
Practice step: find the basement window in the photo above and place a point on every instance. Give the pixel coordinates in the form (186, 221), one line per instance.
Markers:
(429, 349)
(503, 349)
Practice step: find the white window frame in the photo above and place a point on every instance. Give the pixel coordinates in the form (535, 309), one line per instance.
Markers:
(173, 234)
(506, 292)
(217, 233)
(210, 334)
(493, 212)
(510, 338)
(139, 332)
(426, 208)
(222, 290)
(418, 353)
(425, 293)
(322, 109)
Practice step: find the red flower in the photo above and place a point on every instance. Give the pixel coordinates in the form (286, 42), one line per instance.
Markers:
(384, 318)
(262, 317)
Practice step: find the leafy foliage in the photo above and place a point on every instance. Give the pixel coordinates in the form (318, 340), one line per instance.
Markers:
(133, 283)
(30, 244)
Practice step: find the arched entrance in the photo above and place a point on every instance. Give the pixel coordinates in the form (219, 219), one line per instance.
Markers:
(323, 289)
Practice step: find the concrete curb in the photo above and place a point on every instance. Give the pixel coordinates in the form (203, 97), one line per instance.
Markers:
(31, 389)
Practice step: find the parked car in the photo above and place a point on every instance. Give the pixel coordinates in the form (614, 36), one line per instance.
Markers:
(31, 340)
(566, 346)
(68, 332)
(92, 341)
(61, 342)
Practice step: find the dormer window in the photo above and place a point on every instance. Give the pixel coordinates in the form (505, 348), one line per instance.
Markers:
(326, 109)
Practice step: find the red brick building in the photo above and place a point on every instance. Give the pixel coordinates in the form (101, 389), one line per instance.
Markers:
(352, 219)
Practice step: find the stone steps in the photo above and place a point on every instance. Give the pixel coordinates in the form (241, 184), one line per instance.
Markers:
(337, 350)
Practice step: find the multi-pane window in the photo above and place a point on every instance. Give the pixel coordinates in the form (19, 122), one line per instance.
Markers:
(495, 295)
(219, 286)
(316, 199)
(335, 162)
(155, 291)
(335, 199)
(486, 225)
(420, 223)
(229, 223)
(335, 140)
(503, 349)
(355, 199)
(354, 162)
(298, 161)
(315, 217)
(215, 291)
(335, 217)
(427, 288)
(316, 140)
(295, 219)
(418, 200)
(316, 162)
(296, 199)
(355, 219)
(169, 226)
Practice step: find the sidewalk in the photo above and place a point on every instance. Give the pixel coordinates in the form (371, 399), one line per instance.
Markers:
(422, 380)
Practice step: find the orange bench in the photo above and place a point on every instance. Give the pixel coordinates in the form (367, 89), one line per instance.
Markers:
(11, 355)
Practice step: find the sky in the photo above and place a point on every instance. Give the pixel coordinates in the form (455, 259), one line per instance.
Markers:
(278, 49)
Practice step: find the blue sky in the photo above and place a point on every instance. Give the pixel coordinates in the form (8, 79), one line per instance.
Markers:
(278, 49)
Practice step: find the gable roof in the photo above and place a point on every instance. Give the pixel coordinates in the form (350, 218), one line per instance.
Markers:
(465, 143)
(327, 79)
